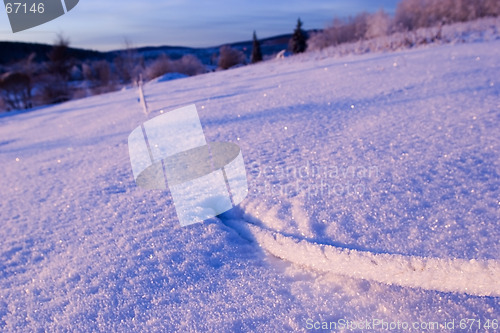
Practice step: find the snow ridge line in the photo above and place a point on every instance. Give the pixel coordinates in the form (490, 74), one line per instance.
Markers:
(473, 277)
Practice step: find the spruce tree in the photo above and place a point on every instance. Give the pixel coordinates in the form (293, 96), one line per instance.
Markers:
(298, 41)
(256, 52)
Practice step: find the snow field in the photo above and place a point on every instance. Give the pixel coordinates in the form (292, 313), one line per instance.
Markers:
(84, 249)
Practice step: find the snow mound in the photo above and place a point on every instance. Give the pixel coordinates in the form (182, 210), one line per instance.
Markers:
(473, 277)
(170, 77)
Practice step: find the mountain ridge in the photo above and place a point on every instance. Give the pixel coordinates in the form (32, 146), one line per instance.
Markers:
(12, 52)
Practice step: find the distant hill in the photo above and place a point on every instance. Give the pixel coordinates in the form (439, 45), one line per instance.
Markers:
(14, 51)
(269, 46)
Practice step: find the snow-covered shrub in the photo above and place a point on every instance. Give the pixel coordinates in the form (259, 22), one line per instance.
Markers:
(479, 30)
(411, 15)
(189, 65)
(341, 31)
(414, 14)
(159, 67)
(378, 24)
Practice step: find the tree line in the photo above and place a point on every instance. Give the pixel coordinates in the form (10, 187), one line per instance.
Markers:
(410, 15)
(28, 83)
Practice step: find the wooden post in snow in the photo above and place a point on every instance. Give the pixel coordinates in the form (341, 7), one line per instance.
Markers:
(142, 99)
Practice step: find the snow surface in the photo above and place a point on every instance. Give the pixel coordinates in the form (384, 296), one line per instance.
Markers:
(375, 178)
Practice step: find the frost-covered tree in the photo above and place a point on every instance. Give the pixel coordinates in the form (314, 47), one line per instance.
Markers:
(190, 65)
(414, 14)
(341, 31)
(256, 52)
(378, 24)
(298, 42)
(359, 26)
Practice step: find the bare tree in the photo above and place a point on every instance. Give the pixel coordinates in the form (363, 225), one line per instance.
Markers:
(87, 72)
(60, 62)
(55, 88)
(129, 64)
(15, 90)
(230, 57)
(103, 73)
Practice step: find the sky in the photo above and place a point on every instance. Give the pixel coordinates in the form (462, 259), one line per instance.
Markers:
(105, 25)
